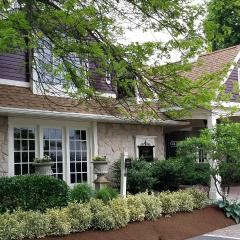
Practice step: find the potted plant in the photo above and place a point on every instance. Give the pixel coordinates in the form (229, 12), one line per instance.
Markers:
(43, 166)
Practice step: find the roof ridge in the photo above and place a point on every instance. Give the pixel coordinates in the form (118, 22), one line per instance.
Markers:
(220, 50)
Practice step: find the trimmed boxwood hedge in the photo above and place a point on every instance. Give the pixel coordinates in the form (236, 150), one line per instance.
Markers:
(32, 192)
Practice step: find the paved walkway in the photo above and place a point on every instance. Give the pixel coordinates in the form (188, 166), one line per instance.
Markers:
(228, 233)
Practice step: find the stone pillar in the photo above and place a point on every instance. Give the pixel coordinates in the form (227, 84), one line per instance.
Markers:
(213, 194)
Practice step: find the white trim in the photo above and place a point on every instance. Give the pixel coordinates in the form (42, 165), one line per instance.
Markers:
(14, 83)
(83, 116)
(39, 124)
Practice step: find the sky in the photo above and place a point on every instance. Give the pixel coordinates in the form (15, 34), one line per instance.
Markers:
(139, 36)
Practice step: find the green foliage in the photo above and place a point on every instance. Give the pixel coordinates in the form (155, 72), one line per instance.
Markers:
(200, 198)
(114, 214)
(107, 193)
(120, 212)
(59, 221)
(221, 146)
(229, 172)
(152, 205)
(231, 209)
(139, 177)
(221, 25)
(80, 216)
(185, 201)
(32, 193)
(170, 204)
(81, 192)
(103, 218)
(136, 208)
(168, 174)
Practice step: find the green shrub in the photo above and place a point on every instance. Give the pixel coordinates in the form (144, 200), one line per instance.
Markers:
(195, 173)
(229, 172)
(81, 193)
(102, 215)
(136, 208)
(200, 198)
(185, 201)
(140, 176)
(59, 221)
(107, 193)
(152, 205)
(169, 202)
(32, 192)
(23, 224)
(80, 216)
(168, 174)
(120, 212)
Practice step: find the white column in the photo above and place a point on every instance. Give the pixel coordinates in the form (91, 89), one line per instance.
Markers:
(123, 188)
(213, 194)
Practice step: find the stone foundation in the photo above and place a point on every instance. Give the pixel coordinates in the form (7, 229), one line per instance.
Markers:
(114, 139)
(3, 146)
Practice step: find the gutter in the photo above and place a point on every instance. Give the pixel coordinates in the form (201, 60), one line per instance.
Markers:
(81, 116)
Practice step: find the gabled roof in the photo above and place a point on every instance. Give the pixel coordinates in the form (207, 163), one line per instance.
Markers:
(213, 62)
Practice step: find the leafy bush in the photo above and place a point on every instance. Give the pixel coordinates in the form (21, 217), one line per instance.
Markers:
(229, 172)
(168, 174)
(185, 201)
(195, 173)
(120, 212)
(169, 202)
(21, 224)
(81, 193)
(32, 192)
(102, 215)
(59, 221)
(139, 178)
(152, 205)
(136, 208)
(231, 209)
(107, 193)
(200, 198)
(80, 216)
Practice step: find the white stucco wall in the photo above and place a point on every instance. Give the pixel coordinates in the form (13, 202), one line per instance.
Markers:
(113, 139)
(3, 146)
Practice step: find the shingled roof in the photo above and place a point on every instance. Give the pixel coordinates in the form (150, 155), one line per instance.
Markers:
(213, 62)
(23, 98)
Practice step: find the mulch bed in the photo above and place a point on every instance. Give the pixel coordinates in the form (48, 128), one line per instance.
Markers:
(177, 227)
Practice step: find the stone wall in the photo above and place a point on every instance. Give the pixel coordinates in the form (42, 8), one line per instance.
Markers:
(113, 139)
(3, 146)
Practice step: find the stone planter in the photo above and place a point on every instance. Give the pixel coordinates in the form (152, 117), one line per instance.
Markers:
(100, 167)
(44, 168)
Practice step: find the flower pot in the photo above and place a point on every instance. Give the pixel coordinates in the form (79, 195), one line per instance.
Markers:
(100, 167)
(43, 168)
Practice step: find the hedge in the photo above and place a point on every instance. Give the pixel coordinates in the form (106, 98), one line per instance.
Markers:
(97, 214)
(32, 192)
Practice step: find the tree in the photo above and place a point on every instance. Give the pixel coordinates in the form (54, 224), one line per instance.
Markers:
(60, 35)
(222, 148)
(222, 24)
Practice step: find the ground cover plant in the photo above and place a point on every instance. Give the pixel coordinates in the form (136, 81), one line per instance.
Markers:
(97, 214)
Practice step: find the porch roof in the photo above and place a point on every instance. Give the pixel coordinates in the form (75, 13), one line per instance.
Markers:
(21, 101)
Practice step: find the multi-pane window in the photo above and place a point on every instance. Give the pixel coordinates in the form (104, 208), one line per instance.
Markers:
(24, 150)
(52, 147)
(78, 155)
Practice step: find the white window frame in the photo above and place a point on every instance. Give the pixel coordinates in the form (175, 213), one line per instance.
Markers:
(39, 125)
